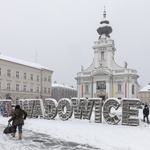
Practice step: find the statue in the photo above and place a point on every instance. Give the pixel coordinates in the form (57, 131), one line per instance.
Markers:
(81, 68)
(125, 64)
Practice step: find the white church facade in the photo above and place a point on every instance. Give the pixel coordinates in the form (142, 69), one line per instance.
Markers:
(104, 78)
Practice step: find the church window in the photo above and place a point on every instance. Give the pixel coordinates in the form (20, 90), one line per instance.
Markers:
(102, 55)
(86, 88)
(101, 85)
(119, 88)
(132, 89)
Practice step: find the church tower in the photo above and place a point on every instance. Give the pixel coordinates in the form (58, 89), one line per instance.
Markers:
(104, 48)
(104, 78)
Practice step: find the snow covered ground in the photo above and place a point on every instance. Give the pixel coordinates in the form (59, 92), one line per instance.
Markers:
(100, 136)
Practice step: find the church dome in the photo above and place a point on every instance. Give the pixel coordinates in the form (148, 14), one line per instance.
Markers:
(104, 29)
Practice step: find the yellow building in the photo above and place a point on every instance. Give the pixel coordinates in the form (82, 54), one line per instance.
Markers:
(23, 80)
(144, 93)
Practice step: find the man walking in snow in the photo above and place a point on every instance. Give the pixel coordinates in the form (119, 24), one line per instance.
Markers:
(18, 118)
(146, 113)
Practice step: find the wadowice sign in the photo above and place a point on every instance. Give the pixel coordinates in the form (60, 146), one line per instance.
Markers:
(82, 108)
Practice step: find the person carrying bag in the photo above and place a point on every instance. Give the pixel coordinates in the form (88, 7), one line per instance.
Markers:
(18, 117)
(9, 129)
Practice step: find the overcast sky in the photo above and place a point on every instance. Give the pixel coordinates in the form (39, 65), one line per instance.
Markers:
(62, 32)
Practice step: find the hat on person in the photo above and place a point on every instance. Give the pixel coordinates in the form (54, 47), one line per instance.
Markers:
(17, 107)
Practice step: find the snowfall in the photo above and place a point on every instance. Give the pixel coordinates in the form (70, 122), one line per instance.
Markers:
(100, 136)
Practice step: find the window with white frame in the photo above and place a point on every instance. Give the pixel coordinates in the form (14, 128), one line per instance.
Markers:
(132, 89)
(17, 87)
(31, 89)
(45, 90)
(37, 89)
(8, 86)
(49, 79)
(17, 74)
(86, 88)
(101, 85)
(38, 78)
(119, 87)
(25, 76)
(102, 55)
(49, 90)
(31, 77)
(45, 78)
(24, 88)
(8, 73)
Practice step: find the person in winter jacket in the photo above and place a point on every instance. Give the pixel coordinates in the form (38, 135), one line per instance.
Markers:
(146, 113)
(18, 117)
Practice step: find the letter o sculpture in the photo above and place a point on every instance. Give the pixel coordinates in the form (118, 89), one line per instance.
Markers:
(63, 104)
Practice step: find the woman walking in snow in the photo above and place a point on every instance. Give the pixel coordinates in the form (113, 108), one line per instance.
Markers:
(18, 117)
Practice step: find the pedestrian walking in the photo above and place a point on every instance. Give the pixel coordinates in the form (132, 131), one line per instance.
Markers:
(145, 113)
(18, 117)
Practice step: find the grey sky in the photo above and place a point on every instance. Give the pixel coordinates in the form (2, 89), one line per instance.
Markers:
(63, 33)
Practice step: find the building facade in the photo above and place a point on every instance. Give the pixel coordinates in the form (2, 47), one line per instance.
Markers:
(144, 94)
(63, 91)
(23, 80)
(104, 78)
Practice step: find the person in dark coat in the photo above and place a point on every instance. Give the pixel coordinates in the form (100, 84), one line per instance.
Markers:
(146, 113)
(18, 117)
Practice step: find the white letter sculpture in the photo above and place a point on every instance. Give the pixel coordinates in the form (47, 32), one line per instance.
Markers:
(50, 106)
(64, 109)
(129, 109)
(82, 108)
(111, 119)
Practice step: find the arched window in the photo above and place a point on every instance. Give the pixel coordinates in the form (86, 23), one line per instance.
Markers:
(119, 88)
(86, 88)
(102, 55)
(132, 89)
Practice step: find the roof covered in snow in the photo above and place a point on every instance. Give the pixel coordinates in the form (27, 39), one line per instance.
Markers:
(63, 86)
(22, 62)
(145, 89)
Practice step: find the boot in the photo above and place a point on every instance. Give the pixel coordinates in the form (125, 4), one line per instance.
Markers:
(13, 134)
(20, 136)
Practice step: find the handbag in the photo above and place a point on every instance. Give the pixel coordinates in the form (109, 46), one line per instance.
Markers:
(9, 129)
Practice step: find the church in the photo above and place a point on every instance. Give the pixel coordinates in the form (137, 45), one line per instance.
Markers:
(104, 78)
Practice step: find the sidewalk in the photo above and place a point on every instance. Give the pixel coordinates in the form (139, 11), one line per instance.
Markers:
(36, 141)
